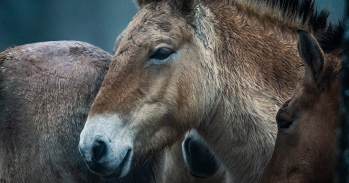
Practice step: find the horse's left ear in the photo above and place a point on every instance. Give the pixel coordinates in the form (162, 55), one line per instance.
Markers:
(311, 54)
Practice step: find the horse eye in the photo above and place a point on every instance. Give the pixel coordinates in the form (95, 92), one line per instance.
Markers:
(284, 124)
(162, 53)
(283, 119)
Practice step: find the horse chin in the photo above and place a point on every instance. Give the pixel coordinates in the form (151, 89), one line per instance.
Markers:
(123, 169)
(111, 170)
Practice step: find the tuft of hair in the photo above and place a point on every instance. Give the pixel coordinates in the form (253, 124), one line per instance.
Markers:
(331, 40)
(304, 14)
(299, 12)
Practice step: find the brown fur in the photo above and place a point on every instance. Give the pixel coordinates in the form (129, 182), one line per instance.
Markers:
(228, 76)
(305, 152)
(46, 91)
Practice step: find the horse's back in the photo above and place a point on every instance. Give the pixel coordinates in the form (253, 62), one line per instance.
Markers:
(46, 90)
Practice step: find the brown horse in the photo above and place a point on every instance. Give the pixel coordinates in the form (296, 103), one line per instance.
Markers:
(222, 67)
(306, 145)
(306, 139)
(46, 90)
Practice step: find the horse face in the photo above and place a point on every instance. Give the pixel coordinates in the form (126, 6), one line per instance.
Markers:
(314, 98)
(154, 91)
(307, 123)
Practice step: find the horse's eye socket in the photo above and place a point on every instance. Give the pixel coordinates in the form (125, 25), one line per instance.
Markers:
(283, 119)
(284, 124)
(162, 53)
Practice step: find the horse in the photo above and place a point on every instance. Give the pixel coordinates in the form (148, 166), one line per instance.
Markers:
(222, 68)
(306, 143)
(46, 90)
(305, 148)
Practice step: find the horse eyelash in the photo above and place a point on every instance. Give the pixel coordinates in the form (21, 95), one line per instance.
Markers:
(301, 64)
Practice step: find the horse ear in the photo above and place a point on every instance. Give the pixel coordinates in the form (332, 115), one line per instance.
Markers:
(311, 55)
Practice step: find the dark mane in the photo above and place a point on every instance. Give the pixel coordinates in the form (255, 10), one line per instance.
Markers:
(332, 39)
(329, 35)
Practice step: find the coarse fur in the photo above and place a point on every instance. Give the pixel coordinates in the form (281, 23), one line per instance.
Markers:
(221, 67)
(305, 148)
(46, 90)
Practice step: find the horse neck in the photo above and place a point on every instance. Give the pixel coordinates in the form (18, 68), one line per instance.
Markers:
(259, 66)
(257, 73)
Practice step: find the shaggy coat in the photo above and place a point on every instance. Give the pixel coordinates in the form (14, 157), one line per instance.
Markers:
(305, 148)
(46, 90)
(221, 67)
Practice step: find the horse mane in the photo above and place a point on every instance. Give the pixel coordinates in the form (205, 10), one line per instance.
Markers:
(332, 39)
(301, 13)
(304, 14)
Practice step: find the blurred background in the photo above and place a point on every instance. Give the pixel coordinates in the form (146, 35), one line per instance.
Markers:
(96, 22)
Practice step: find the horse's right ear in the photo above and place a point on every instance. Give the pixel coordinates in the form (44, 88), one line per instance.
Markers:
(311, 54)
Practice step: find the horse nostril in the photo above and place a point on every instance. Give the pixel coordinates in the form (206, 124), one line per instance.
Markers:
(99, 149)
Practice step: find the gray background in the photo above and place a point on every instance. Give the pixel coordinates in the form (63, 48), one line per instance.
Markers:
(92, 21)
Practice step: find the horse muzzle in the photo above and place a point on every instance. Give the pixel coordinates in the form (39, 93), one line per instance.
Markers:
(104, 151)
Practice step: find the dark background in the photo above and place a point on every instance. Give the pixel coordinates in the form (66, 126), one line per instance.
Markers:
(92, 21)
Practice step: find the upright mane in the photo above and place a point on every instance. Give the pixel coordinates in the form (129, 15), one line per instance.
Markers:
(331, 40)
(299, 13)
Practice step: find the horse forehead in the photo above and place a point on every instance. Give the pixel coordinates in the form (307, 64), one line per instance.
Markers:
(160, 17)
(147, 32)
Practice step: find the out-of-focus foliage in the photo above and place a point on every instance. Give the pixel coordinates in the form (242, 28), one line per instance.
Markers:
(95, 22)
